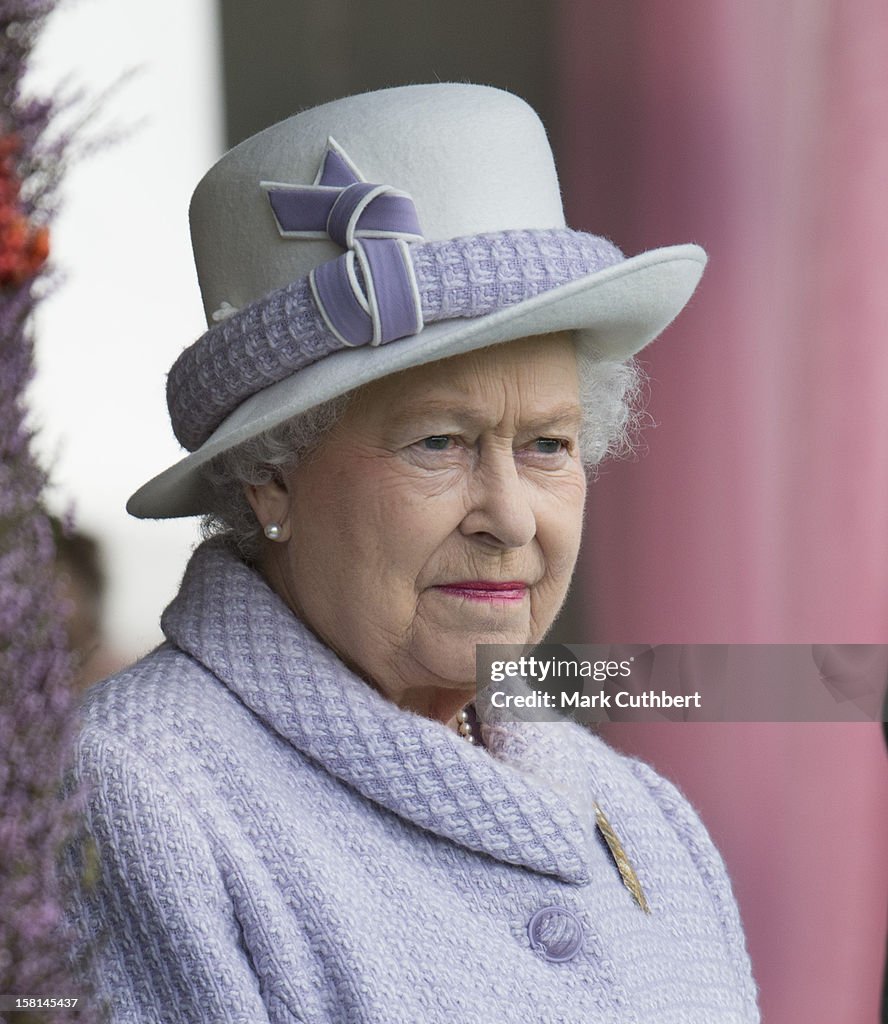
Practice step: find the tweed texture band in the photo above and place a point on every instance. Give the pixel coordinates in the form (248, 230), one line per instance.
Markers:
(285, 330)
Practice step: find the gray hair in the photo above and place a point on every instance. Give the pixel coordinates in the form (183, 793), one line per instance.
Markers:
(611, 396)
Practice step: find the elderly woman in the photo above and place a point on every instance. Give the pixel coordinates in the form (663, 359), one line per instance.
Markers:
(298, 816)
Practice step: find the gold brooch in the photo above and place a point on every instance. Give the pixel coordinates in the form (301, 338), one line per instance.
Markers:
(627, 872)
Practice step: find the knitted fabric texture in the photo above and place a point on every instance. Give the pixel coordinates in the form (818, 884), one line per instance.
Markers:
(284, 331)
(279, 843)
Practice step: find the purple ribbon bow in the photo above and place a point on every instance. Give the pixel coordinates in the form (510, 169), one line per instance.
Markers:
(376, 300)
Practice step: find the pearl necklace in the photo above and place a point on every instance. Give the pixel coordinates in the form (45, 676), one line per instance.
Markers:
(464, 726)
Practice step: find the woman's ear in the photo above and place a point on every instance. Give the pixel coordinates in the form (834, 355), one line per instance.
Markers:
(271, 504)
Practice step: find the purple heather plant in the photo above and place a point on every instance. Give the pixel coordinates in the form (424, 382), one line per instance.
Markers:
(37, 702)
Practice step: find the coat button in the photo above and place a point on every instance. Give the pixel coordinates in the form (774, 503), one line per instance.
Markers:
(556, 933)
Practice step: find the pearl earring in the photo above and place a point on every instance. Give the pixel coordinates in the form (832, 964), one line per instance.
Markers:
(272, 531)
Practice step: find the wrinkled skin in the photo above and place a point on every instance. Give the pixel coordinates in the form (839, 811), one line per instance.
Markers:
(467, 469)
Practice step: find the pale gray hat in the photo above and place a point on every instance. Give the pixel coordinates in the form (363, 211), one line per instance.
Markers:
(376, 233)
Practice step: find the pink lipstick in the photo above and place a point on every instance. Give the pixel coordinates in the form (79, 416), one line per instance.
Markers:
(486, 590)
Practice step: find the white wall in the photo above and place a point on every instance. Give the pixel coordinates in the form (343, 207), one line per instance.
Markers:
(130, 302)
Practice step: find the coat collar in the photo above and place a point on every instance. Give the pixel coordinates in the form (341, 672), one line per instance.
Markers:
(525, 800)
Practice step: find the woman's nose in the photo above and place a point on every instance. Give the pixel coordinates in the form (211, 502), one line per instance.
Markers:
(500, 508)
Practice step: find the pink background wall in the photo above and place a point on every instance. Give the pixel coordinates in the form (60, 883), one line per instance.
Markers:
(759, 511)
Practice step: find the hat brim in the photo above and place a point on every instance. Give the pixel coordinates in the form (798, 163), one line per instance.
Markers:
(615, 312)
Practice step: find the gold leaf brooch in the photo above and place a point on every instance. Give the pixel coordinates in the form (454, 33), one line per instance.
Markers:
(627, 872)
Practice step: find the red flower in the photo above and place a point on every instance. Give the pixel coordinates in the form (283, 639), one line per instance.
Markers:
(24, 248)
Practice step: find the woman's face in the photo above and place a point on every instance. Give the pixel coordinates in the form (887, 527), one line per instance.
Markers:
(444, 510)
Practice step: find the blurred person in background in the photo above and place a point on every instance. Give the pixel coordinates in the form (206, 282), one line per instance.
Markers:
(83, 583)
(410, 365)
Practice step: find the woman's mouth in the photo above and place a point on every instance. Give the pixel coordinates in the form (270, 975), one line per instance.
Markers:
(486, 590)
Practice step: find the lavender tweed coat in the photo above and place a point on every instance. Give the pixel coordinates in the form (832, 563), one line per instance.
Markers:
(280, 843)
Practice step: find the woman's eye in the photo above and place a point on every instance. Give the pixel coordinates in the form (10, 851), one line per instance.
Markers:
(549, 445)
(436, 443)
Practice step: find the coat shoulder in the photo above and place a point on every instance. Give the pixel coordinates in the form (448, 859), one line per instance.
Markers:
(165, 691)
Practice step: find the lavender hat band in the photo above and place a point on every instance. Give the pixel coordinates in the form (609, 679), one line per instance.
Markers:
(386, 286)
(285, 331)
